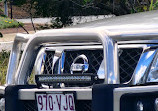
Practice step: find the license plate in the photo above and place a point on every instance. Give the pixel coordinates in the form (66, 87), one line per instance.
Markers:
(55, 102)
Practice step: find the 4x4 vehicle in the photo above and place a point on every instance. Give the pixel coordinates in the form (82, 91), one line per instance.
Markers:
(105, 65)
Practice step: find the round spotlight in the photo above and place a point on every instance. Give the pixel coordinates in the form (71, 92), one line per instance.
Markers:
(140, 106)
(156, 104)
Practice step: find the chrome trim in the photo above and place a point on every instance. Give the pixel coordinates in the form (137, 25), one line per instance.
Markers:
(144, 46)
(52, 47)
(82, 67)
(111, 57)
(134, 34)
(106, 37)
(153, 69)
(139, 42)
(62, 48)
(86, 44)
(81, 93)
(57, 56)
(40, 61)
(101, 72)
(141, 71)
(14, 57)
(67, 35)
(118, 92)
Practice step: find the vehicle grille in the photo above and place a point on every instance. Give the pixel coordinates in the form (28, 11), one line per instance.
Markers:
(127, 63)
(29, 105)
(83, 105)
(48, 62)
(95, 58)
(128, 59)
(80, 105)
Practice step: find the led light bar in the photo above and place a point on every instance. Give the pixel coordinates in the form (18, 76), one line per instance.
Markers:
(65, 78)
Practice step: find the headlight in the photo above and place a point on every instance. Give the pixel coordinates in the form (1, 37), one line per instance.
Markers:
(153, 71)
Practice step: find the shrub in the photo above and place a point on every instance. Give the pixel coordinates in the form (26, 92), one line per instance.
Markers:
(8, 23)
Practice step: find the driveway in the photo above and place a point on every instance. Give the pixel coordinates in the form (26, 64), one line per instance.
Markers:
(36, 20)
(75, 19)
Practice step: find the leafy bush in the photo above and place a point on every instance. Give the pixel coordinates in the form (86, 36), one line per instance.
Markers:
(153, 5)
(8, 23)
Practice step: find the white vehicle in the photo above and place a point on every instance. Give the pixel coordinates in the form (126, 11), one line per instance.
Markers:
(106, 65)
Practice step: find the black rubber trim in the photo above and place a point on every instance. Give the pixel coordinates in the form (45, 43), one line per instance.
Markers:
(12, 103)
(102, 97)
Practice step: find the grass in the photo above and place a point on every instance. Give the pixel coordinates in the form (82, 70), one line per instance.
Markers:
(4, 59)
(6, 22)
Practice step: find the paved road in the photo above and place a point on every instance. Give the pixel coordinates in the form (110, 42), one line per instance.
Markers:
(76, 19)
(6, 46)
(36, 20)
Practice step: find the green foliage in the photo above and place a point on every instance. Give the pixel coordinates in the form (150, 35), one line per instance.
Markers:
(86, 1)
(56, 23)
(4, 59)
(3, 16)
(1, 12)
(19, 2)
(8, 23)
(42, 27)
(156, 4)
(55, 8)
(141, 6)
(0, 8)
(153, 6)
(31, 78)
(63, 10)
